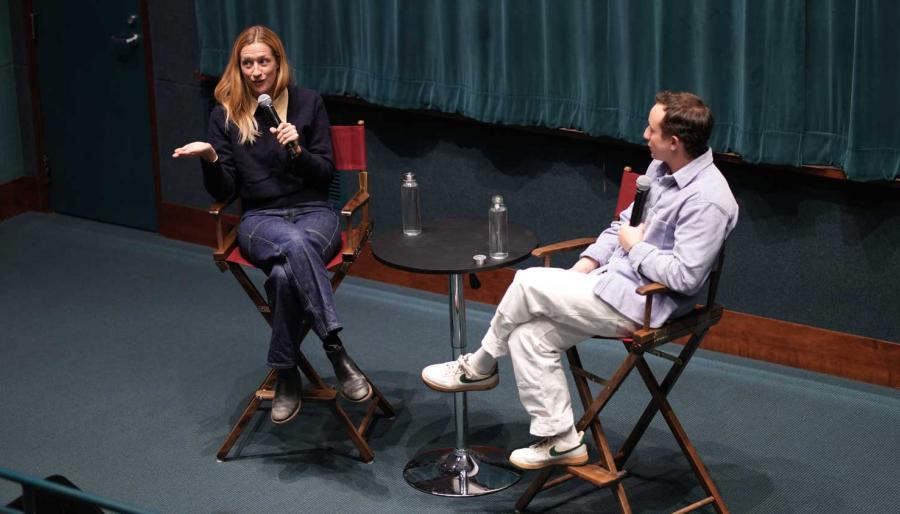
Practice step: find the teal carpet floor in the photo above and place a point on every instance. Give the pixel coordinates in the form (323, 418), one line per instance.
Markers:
(125, 357)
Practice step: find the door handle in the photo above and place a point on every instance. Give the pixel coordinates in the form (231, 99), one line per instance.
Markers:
(131, 40)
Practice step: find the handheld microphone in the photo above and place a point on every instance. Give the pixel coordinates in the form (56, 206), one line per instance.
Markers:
(640, 198)
(265, 102)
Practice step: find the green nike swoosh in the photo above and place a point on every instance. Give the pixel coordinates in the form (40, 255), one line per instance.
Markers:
(465, 380)
(554, 453)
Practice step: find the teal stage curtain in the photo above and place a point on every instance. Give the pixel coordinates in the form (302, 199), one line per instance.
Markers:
(790, 82)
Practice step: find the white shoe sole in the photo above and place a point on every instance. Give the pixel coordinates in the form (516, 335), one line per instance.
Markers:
(576, 460)
(481, 385)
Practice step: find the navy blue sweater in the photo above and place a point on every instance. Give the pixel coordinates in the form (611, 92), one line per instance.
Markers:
(263, 173)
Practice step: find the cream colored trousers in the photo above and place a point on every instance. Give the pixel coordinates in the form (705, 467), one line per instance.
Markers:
(545, 312)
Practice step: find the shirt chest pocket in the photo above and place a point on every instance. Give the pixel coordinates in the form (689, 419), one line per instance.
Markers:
(661, 233)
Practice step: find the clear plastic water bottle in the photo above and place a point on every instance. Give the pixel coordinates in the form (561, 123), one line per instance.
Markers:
(498, 239)
(409, 205)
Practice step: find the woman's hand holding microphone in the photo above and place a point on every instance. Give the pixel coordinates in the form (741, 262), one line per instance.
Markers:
(286, 134)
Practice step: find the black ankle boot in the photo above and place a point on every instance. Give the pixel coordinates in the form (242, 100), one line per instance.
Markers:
(354, 385)
(286, 404)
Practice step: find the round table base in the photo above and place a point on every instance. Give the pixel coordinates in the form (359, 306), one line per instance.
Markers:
(461, 473)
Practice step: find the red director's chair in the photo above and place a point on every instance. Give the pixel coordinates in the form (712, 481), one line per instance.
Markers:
(349, 142)
(607, 471)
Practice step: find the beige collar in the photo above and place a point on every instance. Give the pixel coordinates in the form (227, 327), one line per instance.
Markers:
(281, 103)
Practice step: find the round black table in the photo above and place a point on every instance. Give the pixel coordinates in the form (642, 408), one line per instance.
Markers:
(448, 247)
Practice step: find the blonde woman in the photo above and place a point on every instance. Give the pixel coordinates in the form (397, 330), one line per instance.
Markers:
(288, 228)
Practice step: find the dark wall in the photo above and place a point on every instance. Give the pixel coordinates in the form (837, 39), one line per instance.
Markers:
(807, 249)
(816, 251)
(20, 70)
(181, 103)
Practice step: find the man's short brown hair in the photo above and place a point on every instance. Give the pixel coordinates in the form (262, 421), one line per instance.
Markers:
(688, 118)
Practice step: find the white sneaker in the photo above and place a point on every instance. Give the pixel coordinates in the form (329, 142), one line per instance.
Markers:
(458, 376)
(545, 453)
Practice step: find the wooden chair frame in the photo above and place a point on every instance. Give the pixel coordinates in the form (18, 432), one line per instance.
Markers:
(227, 257)
(608, 471)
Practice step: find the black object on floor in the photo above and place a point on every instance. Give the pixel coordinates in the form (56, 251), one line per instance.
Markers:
(46, 502)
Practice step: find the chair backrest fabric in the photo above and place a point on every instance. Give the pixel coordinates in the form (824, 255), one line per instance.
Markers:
(627, 189)
(349, 144)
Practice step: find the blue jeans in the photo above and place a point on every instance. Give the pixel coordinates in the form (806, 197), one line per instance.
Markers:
(292, 246)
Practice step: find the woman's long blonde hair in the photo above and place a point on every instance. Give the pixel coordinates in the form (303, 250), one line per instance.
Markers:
(235, 94)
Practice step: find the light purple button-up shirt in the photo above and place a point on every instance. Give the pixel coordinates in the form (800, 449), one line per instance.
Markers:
(687, 217)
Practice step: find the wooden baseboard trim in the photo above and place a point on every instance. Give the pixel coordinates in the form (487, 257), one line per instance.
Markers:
(18, 196)
(780, 342)
(806, 347)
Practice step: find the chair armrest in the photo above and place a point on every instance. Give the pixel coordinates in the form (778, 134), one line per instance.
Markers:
(217, 208)
(358, 200)
(651, 289)
(564, 246)
(224, 241)
(229, 241)
(356, 237)
(700, 320)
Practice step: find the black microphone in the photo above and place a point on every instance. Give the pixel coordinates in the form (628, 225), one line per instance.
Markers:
(265, 101)
(640, 198)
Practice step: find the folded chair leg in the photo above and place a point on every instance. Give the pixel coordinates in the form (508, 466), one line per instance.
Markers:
(356, 433)
(541, 482)
(258, 300)
(365, 451)
(606, 458)
(588, 420)
(686, 447)
(600, 440)
(386, 408)
(591, 418)
(650, 411)
(252, 407)
(316, 379)
(611, 387)
(533, 489)
(584, 390)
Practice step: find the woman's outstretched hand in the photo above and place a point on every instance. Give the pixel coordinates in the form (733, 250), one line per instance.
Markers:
(200, 149)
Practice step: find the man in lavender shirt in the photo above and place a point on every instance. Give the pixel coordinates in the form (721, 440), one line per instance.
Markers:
(688, 214)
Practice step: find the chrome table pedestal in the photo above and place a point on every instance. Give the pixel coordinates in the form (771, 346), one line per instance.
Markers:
(447, 247)
(463, 470)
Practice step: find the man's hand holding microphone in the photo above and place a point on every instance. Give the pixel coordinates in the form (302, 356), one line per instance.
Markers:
(633, 233)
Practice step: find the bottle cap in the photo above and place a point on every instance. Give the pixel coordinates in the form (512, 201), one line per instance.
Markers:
(497, 199)
(479, 259)
(409, 176)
